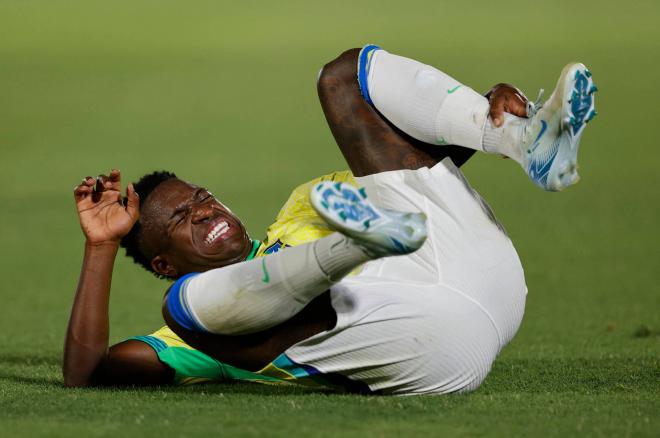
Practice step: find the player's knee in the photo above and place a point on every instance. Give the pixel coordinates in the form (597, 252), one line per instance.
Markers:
(342, 69)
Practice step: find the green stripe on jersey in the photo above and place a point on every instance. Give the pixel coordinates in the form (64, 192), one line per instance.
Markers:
(255, 246)
(192, 366)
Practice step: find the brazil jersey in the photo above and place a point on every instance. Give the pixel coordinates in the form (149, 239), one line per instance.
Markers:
(296, 223)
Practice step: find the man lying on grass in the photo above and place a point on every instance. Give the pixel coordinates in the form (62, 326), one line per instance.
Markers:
(412, 290)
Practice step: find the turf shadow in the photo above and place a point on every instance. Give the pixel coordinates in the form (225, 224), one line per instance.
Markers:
(242, 388)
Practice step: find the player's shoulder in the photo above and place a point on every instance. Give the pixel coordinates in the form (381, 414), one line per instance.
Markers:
(297, 222)
(338, 176)
(298, 201)
(162, 339)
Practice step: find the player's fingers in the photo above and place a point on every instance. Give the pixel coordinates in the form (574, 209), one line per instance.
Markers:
(101, 183)
(132, 202)
(81, 191)
(99, 187)
(114, 180)
(115, 175)
(496, 113)
(516, 104)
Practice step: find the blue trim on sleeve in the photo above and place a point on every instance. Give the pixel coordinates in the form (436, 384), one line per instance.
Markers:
(152, 341)
(177, 306)
(363, 70)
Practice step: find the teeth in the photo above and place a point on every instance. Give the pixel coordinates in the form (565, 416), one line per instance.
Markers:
(217, 231)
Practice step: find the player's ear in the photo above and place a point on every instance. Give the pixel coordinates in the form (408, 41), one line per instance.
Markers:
(161, 265)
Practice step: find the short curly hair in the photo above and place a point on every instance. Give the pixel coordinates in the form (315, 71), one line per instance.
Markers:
(131, 241)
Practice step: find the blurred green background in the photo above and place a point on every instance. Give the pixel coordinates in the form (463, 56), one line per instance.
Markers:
(223, 93)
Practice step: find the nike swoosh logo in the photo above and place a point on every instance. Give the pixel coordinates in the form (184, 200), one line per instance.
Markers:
(454, 89)
(538, 170)
(266, 278)
(544, 126)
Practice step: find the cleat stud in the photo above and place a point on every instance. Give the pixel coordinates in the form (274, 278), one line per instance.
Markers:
(363, 192)
(593, 89)
(587, 73)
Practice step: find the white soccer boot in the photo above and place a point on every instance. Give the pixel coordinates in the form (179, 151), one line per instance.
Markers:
(551, 136)
(380, 232)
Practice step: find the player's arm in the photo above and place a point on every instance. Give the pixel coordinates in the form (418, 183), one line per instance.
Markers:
(87, 359)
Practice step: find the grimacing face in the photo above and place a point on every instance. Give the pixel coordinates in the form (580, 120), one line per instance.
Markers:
(186, 229)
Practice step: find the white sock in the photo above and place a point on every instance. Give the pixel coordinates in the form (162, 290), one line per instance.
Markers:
(261, 293)
(506, 139)
(426, 103)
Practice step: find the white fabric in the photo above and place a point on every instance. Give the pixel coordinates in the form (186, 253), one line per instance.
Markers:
(507, 139)
(432, 321)
(426, 103)
(261, 293)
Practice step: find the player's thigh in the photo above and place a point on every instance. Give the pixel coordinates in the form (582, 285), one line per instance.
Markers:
(460, 224)
(367, 140)
(404, 338)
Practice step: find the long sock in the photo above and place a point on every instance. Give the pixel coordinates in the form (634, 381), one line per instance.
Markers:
(422, 101)
(430, 105)
(507, 138)
(252, 296)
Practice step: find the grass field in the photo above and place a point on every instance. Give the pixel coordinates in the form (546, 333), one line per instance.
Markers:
(224, 94)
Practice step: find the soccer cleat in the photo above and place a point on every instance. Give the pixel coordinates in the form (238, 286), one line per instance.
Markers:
(552, 136)
(379, 232)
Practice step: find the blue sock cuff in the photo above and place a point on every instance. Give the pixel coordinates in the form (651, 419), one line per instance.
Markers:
(177, 306)
(364, 62)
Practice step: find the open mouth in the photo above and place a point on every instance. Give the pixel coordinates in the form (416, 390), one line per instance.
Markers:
(218, 230)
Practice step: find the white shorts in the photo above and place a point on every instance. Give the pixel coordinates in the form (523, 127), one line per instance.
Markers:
(432, 321)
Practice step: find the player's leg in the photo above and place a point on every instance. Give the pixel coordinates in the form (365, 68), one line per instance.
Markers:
(247, 314)
(435, 108)
(369, 142)
(258, 294)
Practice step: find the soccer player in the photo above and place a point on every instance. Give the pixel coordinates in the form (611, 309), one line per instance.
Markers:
(416, 293)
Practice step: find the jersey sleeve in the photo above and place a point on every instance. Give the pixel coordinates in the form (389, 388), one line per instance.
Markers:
(190, 365)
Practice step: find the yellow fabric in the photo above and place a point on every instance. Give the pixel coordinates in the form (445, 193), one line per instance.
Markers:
(170, 338)
(297, 222)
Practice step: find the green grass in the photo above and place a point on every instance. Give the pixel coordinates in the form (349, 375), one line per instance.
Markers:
(223, 93)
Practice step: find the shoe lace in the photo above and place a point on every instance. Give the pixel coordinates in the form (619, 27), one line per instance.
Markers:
(533, 107)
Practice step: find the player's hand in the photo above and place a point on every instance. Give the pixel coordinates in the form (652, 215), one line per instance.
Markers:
(506, 98)
(103, 217)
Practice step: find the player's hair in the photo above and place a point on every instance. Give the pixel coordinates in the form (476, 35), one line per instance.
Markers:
(131, 241)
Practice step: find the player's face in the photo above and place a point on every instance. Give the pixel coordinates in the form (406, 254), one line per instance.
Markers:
(189, 230)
